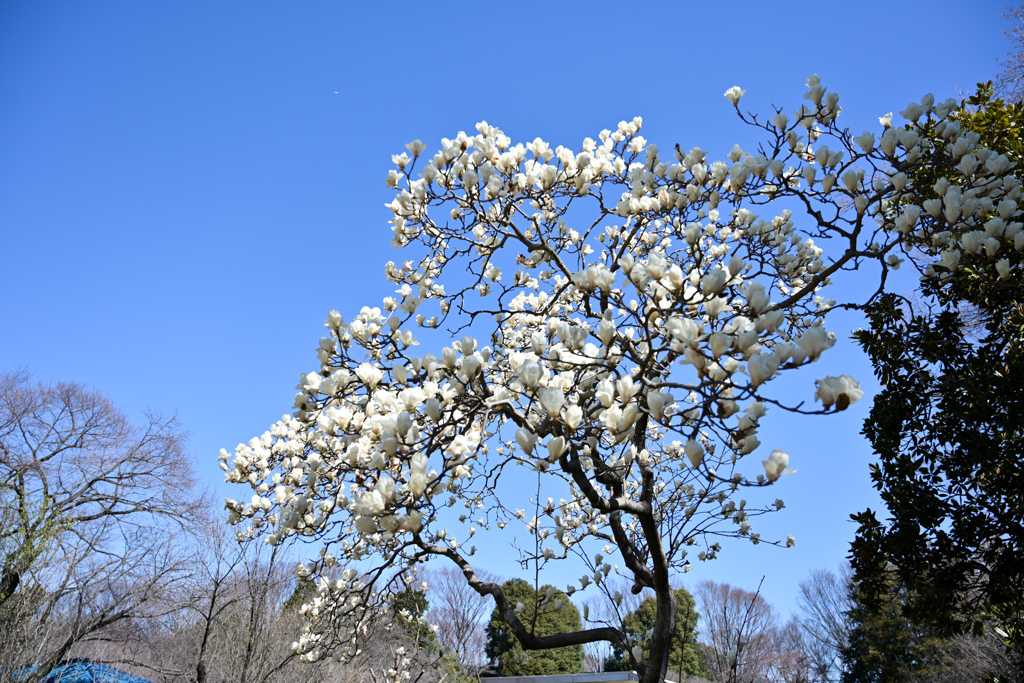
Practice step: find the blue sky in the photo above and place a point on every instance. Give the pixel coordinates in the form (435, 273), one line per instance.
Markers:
(186, 189)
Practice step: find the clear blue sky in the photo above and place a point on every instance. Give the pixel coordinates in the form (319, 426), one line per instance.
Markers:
(187, 188)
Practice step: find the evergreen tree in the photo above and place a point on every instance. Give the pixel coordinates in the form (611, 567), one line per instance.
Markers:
(304, 592)
(884, 645)
(684, 658)
(947, 425)
(411, 605)
(541, 617)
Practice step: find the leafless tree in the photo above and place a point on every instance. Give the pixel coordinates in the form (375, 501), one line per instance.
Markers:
(823, 601)
(90, 504)
(232, 623)
(739, 634)
(233, 620)
(459, 613)
(792, 663)
(1010, 81)
(970, 658)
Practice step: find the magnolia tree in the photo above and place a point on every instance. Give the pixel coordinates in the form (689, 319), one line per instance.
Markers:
(618, 314)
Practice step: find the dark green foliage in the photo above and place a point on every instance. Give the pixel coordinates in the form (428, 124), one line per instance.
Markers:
(304, 592)
(541, 619)
(885, 646)
(412, 600)
(999, 123)
(416, 604)
(948, 430)
(684, 658)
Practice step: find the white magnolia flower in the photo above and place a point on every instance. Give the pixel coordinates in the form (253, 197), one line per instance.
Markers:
(557, 447)
(416, 147)
(657, 401)
(776, 464)
(572, 416)
(526, 439)
(695, 452)
(866, 141)
(551, 400)
(1003, 268)
(734, 94)
(369, 374)
(814, 341)
(840, 391)
(761, 368)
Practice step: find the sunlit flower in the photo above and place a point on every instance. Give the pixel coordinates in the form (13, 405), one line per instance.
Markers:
(839, 391)
(734, 94)
(776, 464)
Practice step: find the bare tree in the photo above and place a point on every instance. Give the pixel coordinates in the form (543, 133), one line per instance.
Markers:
(458, 611)
(90, 504)
(823, 600)
(739, 634)
(792, 661)
(233, 620)
(970, 658)
(1010, 81)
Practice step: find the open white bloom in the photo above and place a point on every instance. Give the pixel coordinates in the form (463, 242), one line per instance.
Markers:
(657, 401)
(866, 141)
(761, 368)
(776, 464)
(814, 341)
(839, 391)
(370, 375)
(734, 94)
(551, 399)
(416, 147)
(572, 416)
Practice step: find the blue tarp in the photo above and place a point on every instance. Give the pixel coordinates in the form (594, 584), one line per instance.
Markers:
(89, 672)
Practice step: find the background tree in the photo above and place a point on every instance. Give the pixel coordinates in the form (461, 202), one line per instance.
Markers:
(458, 611)
(969, 658)
(824, 601)
(410, 606)
(543, 617)
(684, 659)
(740, 632)
(883, 644)
(92, 504)
(1010, 81)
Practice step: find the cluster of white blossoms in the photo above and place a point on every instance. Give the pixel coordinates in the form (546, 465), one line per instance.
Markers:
(621, 314)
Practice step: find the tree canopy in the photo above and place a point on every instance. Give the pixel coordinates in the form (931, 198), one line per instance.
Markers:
(542, 618)
(617, 315)
(884, 645)
(90, 507)
(684, 657)
(947, 426)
